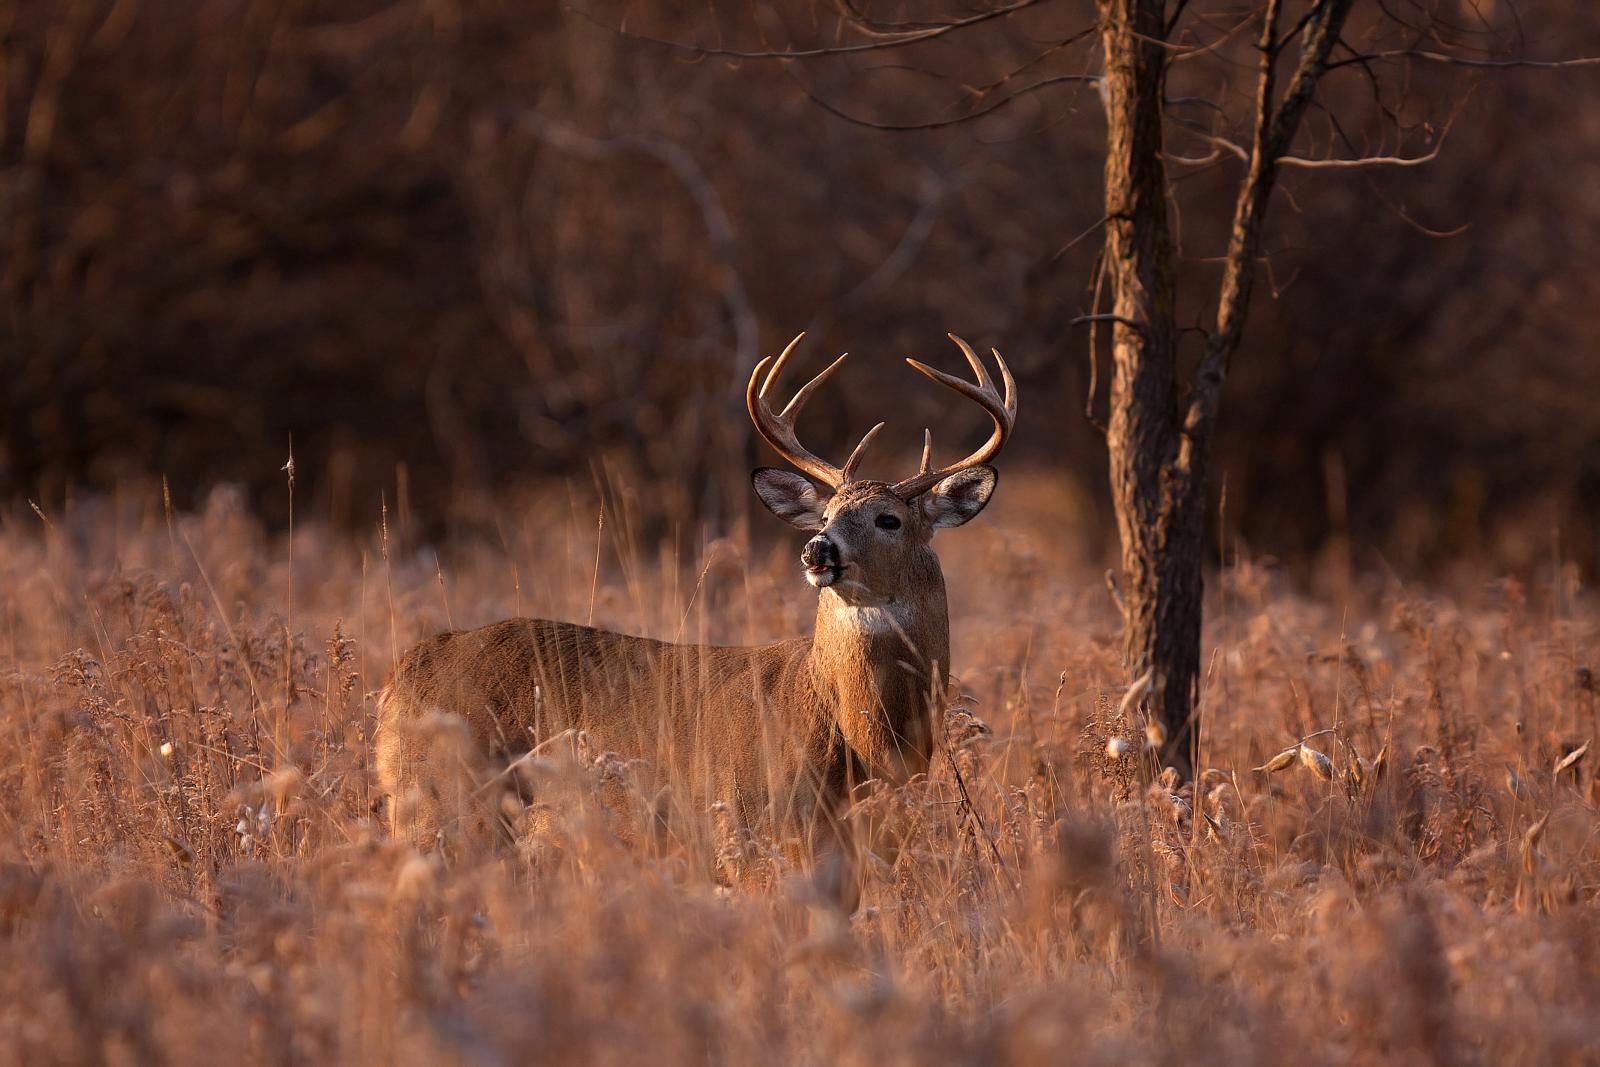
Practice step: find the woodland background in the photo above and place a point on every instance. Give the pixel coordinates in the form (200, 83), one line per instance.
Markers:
(455, 249)
(488, 262)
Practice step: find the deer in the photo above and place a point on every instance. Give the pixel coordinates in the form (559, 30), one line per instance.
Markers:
(779, 733)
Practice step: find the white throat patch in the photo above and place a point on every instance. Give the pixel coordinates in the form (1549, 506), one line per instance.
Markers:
(871, 619)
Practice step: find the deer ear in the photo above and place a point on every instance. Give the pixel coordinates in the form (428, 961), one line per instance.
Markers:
(791, 497)
(959, 497)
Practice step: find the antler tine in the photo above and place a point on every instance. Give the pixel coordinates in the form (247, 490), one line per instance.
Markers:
(859, 452)
(779, 363)
(927, 452)
(792, 409)
(778, 430)
(972, 361)
(1002, 409)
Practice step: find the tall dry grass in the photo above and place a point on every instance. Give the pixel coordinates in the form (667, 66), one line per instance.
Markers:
(193, 870)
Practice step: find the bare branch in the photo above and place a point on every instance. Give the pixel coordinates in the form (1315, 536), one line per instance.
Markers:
(1181, 53)
(1273, 135)
(935, 124)
(1300, 24)
(871, 27)
(1221, 143)
(889, 41)
(1194, 161)
(1129, 323)
(1057, 46)
(1364, 161)
(1464, 61)
(1177, 13)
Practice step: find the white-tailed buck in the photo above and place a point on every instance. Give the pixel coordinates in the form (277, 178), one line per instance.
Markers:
(779, 733)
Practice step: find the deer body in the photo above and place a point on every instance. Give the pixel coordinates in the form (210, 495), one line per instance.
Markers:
(780, 732)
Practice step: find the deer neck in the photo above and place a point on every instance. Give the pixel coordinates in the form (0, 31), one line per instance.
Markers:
(881, 669)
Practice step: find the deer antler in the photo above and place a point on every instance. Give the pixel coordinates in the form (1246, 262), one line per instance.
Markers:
(1003, 410)
(778, 429)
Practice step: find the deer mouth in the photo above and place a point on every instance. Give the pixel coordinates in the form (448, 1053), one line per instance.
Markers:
(824, 575)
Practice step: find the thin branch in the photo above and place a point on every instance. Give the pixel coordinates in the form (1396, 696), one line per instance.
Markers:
(1221, 143)
(1364, 161)
(899, 41)
(1129, 323)
(1172, 23)
(1405, 217)
(1377, 161)
(1094, 342)
(1272, 136)
(1463, 61)
(1070, 245)
(1058, 46)
(872, 27)
(1193, 161)
(1180, 53)
(1300, 24)
(935, 124)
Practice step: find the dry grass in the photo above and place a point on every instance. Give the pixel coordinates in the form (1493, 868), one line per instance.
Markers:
(192, 871)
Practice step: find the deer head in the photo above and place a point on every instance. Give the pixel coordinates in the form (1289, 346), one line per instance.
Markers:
(872, 537)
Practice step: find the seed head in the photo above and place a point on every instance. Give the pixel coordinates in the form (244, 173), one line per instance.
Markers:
(1316, 762)
(1155, 733)
(1118, 748)
(1279, 762)
(1531, 836)
(1571, 759)
(180, 849)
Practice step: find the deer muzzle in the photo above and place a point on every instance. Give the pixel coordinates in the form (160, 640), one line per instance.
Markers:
(821, 560)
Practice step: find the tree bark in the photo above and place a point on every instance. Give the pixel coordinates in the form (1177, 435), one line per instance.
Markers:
(1160, 528)
(1159, 456)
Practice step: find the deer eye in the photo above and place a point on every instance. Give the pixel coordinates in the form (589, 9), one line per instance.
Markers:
(887, 521)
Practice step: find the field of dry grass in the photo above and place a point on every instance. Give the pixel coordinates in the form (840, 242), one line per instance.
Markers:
(191, 869)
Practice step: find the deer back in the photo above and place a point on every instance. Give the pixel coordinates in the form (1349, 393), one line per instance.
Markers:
(746, 726)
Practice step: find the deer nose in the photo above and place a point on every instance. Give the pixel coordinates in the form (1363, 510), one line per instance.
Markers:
(820, 552)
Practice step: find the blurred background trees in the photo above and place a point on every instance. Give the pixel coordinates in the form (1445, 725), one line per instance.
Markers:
(488, 244)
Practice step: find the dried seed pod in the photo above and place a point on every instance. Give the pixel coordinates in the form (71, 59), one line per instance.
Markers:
(1570, 760)
(1136, 692)
(1531, 836)
(1279, 762)
(1356, 765)
(1530, 843)
(1217, 829)
(1316, 762)
(1155, 733)
(180, 849)
(1380, 763)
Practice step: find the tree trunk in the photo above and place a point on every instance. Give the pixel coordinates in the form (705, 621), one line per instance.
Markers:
(1159, 516)
(1159, 455)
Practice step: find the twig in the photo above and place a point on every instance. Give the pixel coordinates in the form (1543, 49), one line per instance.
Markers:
(936, 124)
(909, 38)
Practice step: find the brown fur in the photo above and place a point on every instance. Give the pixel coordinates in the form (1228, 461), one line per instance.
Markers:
(778, 732)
